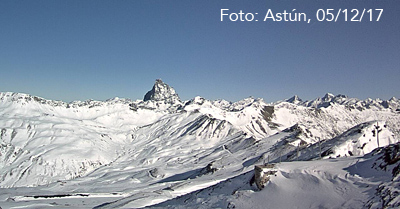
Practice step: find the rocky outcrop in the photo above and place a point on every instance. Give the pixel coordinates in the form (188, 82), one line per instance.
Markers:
(262, 174)
(161, 92)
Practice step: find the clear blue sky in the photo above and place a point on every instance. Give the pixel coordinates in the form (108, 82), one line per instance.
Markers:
(79, 50)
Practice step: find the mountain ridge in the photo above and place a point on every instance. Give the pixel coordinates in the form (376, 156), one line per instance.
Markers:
(162, 145)
(163, 92)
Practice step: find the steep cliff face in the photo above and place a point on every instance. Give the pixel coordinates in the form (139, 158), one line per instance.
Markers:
(162, 92)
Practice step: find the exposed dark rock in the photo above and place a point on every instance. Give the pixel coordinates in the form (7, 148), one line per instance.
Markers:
(161, 92)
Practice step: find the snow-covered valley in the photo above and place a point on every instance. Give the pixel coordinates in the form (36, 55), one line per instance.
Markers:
(164, 152)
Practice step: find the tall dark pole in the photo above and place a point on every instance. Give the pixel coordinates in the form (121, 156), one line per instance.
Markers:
(377, 130)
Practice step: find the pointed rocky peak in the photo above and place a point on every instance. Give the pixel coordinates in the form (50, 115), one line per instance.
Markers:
(392, 103)
(321, 102)
(328, 97)
(295, 100)
(161, 92)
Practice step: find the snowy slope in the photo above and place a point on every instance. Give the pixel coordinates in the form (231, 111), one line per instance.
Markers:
(352, 182)
(42, 143)
(123, 153)
(357, 141)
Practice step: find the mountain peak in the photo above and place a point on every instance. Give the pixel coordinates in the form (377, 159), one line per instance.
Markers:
(328, 97)
(294, 99)
(161, 92)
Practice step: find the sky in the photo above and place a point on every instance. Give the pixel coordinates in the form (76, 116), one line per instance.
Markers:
(98, 49)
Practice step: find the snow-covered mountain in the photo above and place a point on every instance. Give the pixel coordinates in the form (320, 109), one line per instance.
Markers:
(370, 181)
(124, 153)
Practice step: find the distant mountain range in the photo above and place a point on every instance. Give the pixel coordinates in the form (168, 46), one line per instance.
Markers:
(124, 153)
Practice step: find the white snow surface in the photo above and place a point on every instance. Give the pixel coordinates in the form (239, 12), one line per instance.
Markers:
(302, 184)
(132, 154)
